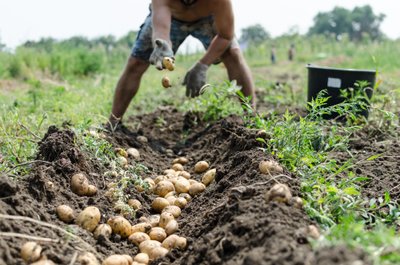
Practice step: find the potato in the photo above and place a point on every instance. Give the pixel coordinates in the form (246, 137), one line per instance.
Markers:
(196, 189)
(171, 200)
(154, 220)
(181, 243)
(120, 226)
(182, 185)
(170, 172)
(186, 196)
(296, 202)
(121, 152)
(193, 181)
(65, 213)
(92, 190)
(143, 219)
(184, 174)
(172, 227)
(165, 218)
(180, 202)
(168, 63)
(159, 179)
(122, 161)
(159, 204)
(118, 260)
(79, 184)
(177, 167)
(157, 253)
(31, 252)
(181, 160)
(163, 187)
(175, 210)
(170, 242)
(270, 167)
(142, 258)
(135, 204)
(151, 183)
(313, 232)
(141, 227)
(208, 177)
(166, 82)
(142, 139)
(279, 193)
(157, 233)
(201, 166)
(169, 194)
(138, 237)
(134, 153)
(148, 245)
(89, 218)
(88, 258)
(102, 230)
(43, 262)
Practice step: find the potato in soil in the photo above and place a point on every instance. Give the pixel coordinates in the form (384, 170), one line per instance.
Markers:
(88, 258)
(118, 260)
(142, 258)
(159, 204)
(157, 233)
(120, 226)
(65, 213)
(89, 218)
(172, 227)
(170, 242)
(148, 245)
(165, 218)
(279, 193)
(157, 253)
(270, 167)
(31, 252)
(138, 237)
(208, 177)
(163, 187)
(79, 184)
(102, 230)
(201, 167)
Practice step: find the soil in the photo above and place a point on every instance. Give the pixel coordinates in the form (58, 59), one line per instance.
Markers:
(229, 223)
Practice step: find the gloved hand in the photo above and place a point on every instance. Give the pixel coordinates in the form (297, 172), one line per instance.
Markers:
(161, 49)
(195, 79)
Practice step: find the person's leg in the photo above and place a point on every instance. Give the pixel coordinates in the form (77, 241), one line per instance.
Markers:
(127, 87)
(238, 70)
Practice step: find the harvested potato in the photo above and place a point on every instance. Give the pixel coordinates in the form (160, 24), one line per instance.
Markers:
(196, 188)
(148, 245)
(182, 185)
(170, 172)
(168, 63)
(170, 242)
(169, 194)
(142, 139)
(142, 258)
(154, 220)
(65, 213)
(171, 200)
(157, 233)
(122, 161)
(103, 230)
(184, 174)
(144, 219)
(135, 204)
(157, 253)
(296, 202)
(270, 167)
(159, 179)
(88, 258)
(208, 177)
(201, 167)
(177, 167)
(313, 232)
(180, 160)
(134, 153)
(92, 190)
(181, 243)
(180, 202)
(172, 227)
(141, 227)
(163, 187)
(165, 218)
(186, 196)
(79, 184)
(151, 183)
(31, 252)
(120, 226)
(121, 152)
(89, 218)
(279, 193)
(159, 204)
(193, 181)
(166, 82)
(118, 260)
(175, 210)
(43, 262)
(138, 237)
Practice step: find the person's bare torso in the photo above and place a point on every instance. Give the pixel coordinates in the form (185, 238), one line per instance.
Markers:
(194, 12)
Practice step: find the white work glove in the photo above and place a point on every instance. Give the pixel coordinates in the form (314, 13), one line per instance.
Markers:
(161, 49)
(195, 79)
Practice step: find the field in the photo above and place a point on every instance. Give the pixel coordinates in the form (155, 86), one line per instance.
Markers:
(54, 109)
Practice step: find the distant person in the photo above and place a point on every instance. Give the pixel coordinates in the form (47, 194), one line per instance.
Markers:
(273, 54)
(291, 52)
(169, 23)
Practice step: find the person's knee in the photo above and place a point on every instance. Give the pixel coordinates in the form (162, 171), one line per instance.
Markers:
(136, 66)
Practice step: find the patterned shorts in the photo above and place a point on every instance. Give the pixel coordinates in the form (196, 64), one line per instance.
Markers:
(202, 29)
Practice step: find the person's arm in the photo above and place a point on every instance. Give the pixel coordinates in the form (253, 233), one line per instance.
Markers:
(224, 24)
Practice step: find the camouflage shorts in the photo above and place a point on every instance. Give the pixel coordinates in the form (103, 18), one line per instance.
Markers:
(203, 30)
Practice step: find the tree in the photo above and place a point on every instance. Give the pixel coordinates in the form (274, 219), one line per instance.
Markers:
(254, 34)
(361, 21)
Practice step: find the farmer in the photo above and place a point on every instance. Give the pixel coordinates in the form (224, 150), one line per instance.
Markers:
(164, 30)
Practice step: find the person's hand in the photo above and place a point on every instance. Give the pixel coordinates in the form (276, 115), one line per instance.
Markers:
(195, 79)
(161, 49)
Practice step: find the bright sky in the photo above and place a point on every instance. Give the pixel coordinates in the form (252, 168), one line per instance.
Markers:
(22, 20)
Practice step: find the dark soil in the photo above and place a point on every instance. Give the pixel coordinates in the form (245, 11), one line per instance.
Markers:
(229, 223)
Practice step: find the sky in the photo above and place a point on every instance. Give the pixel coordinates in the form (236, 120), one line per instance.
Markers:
(22, 20)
